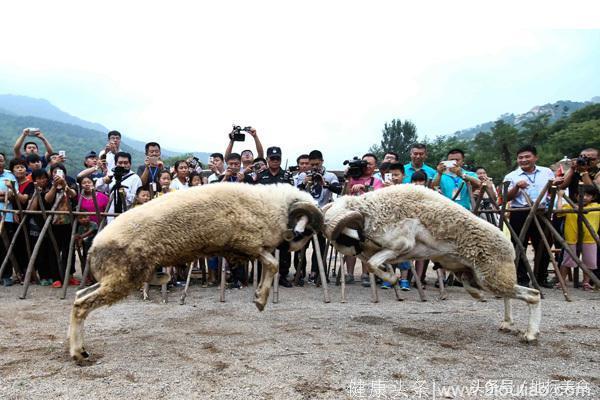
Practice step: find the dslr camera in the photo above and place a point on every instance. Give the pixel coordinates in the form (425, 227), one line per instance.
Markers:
(236, 133)
(316, 175)
(583, 161)
(356, 167)
(119, 173)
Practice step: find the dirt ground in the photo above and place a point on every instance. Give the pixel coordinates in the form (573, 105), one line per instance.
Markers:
(299, 348)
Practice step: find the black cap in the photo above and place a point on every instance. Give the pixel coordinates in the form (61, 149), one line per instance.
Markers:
(91, 154)
(274, 152)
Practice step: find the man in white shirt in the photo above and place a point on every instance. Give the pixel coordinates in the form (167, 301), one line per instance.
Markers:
(531, 179)
(111, 149)
(121, 181)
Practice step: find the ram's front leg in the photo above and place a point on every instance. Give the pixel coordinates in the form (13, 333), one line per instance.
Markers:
(378, 260)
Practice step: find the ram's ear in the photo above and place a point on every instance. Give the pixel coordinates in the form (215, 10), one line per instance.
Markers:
(349, 220)
(309, 210)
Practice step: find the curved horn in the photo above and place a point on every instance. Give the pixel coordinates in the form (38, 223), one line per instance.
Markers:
(348, 219)
(315, 218)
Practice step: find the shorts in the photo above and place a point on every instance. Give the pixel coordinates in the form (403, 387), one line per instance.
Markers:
(589, 254)
(404, 266)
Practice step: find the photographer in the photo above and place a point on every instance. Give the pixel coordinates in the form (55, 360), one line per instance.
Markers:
(303, 165)
(121, 185)
(320, 184)
(32, 147)
(361, 180)
(584, 169)
(452, 180)
(247, 156)
(149, 172)
(361, 175)
(233, 172)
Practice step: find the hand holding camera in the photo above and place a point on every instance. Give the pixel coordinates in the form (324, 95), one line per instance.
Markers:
(236, 134)
(32, 132)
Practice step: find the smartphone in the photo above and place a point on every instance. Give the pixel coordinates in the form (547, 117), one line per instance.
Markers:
(59, 172)
(388, 177)
(210, 160)
(32, 131)
(62, 153)
(449, 163)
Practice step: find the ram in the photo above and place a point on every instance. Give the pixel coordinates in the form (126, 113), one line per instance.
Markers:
(241, 222)
(408, 222)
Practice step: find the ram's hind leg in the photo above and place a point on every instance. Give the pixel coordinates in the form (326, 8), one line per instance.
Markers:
(470, 285)
(506, 325)
(105, 294)
(269, 269)
(533, 299)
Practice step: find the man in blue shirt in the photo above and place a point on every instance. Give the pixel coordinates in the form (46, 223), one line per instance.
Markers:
(418, 155)
(531, 179)
(452, 180)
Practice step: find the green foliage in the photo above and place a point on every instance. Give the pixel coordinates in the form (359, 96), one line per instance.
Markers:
(496, 150)
(398, 136)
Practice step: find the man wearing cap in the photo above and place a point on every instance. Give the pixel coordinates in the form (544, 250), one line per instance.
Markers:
(93, 167)
(273, 175)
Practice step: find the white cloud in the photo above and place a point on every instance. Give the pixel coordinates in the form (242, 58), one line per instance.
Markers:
(312, 74)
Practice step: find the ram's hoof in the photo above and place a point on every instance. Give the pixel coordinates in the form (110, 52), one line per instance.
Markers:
(529, 338)
(259, 305)
(80, 356)
(505, 326)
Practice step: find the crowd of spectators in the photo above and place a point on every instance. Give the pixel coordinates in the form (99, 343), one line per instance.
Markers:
(108, 183)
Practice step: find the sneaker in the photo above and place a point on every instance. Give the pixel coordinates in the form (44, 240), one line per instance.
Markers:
(365, 281)
(312, 279)
(300, 281)
(57, 284)
(7, 282)
(285, 283)
(349, 279)
(404, 285)
(386, 285)
(45, 282)
(74, 282)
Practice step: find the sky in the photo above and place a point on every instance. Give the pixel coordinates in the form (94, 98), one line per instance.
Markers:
(308, 75)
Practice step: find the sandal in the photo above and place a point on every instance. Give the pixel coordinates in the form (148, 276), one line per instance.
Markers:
(587, 287)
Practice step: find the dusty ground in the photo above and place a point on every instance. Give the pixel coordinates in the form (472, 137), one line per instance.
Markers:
(298, 349)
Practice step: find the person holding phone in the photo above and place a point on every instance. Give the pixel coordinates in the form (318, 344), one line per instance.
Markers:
(30, 147)
(149, 173)
(453, 181)
(111, 149)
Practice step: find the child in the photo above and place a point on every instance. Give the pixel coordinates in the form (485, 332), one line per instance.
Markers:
(393, 174)
(195, 179)
(142, 195)
(419, 178)
(86, 231)
(164, 180)
(589, 247)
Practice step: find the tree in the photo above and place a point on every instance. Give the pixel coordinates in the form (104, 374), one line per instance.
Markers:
(398, 136)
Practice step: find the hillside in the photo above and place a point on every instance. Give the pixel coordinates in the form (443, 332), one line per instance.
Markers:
(555, 111)
(27, 106)
(75, 140)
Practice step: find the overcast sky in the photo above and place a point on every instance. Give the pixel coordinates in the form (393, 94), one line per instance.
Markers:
(322, 74)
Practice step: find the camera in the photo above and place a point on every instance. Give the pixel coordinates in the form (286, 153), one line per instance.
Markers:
(316, 175)
(293, 168)
(236, 133)
(583, 161)
(119, 173)
(356, 167)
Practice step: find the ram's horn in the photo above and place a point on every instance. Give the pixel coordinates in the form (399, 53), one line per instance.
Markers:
(352, 220)
(297, 210)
